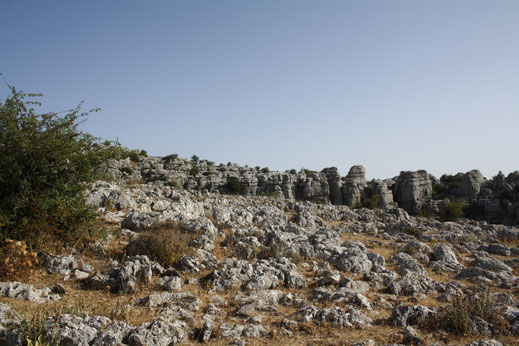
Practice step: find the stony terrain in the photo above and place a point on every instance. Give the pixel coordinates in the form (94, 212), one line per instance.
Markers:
(299, 266)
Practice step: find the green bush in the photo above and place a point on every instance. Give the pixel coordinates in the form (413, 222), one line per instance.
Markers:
(292, 171)
(235, 187)
(171, 157)
(134, 156)
(452, 211)
(143, 153)
(46, 162)
(265, 170)
(194, 171)
(172, 183)
(127, 170)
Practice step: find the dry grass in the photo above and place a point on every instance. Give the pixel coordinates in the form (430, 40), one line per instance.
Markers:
(16, 261)
(163, 243)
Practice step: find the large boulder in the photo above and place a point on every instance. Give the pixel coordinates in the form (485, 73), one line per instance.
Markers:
(412, 189)
(354, 185)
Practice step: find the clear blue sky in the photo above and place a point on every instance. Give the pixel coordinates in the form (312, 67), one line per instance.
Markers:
(392, 85)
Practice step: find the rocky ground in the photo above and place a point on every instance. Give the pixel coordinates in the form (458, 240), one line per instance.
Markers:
(271, 270)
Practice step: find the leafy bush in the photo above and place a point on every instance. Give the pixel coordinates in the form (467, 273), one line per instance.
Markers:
(452, 211)
(143, 153)
(194, 171)
(372, 202)
(171, 157)
(195, 159)
(235, 187)
(127, 170)
(292, 171)
(265, 170)
(46, 161)
(163, 243)
(134, 156)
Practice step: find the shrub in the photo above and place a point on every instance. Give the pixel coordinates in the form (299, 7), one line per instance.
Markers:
(265, 170)
(371, 202)
(143, 153)
(195, 159)
(235, 187)
(171, 157)
(292, 171)
(127, 170)
(163, 243)
(172, 183)
(134, 156)
(452, 211)
(46, 161)
(194, 171)
(412, 230)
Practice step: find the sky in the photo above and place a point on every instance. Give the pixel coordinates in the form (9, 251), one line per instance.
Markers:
(390, 85)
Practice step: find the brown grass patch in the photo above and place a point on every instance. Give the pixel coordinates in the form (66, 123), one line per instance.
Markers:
(162, 242)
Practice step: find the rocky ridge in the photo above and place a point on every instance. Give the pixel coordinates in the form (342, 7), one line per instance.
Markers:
(495, 200)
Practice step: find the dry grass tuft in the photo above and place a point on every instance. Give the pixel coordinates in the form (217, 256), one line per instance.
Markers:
(16, 261)
(457, 318)
(163, 243)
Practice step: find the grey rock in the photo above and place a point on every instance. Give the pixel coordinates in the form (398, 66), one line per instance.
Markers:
(488, 342)
(28, 292)
(406, 264)
(444, 259)
(72, 330)
(380, 188)
(170, 283)
(63, 265)
(498, 249)
(8, 317)
(404, 315)
(247, 310)
(412, 189)
(411, 336)
(338, 317)
(354, 259)
(158, 332)
(490, 263)
(354, 185)
(80, 275)
(113, 334)
(138, 221)
(167, 299)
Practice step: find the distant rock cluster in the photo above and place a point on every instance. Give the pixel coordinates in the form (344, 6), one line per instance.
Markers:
(495, 200)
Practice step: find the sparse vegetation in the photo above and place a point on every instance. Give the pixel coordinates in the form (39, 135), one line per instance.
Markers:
(172, 183)
(458, 318)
